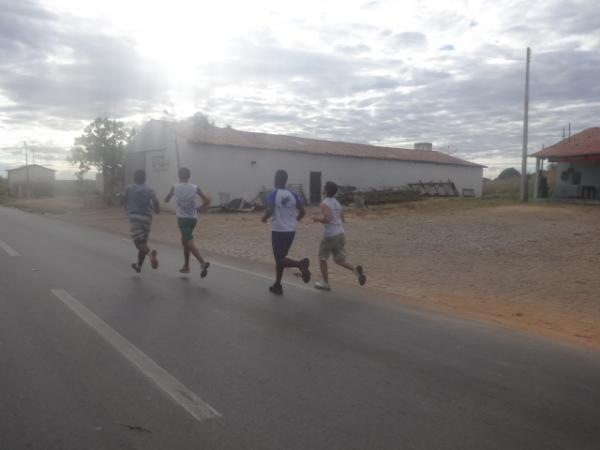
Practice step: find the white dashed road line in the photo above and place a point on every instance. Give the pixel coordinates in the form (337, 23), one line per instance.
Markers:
(180, 394)
(8, 249)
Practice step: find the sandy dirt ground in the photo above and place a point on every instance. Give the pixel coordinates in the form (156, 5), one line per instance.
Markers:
(531, 267)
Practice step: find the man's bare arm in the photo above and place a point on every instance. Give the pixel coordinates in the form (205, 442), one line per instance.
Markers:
(170, 194)
(205, 200)
(155, 204)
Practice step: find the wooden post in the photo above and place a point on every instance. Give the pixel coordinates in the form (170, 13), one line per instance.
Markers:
(524, 186)
(536, 179)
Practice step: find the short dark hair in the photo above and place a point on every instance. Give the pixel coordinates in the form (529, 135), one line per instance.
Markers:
(139, 177)
(281, 178)
(184, 173)
(331, 188)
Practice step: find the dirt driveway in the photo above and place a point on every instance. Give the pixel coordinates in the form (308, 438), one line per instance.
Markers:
(532, 267)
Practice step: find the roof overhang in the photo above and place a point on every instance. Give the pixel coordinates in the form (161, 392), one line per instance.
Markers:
(574, 159)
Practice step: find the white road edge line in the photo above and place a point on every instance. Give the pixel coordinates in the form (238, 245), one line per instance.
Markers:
(180, 394)
(8, 249)
(249, 272)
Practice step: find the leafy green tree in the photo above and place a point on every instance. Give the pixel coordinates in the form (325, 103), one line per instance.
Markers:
(102, 146)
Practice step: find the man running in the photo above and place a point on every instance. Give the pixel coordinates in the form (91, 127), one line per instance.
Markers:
(140, 201)
(334, 240)
(282, 205)
(187, 213)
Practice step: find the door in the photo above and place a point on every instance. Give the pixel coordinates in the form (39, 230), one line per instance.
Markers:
(315, 187)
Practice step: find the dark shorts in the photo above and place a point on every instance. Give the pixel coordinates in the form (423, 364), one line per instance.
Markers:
(139, 227)
(186, 227)
(282, 241)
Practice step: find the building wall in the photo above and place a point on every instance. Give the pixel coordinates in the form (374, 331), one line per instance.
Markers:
(590, 176)
(243, 172)
(39, 182)
(36, 175)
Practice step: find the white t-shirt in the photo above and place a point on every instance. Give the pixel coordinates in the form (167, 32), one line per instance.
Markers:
(284, 204)
(334, 227)
(185, 196)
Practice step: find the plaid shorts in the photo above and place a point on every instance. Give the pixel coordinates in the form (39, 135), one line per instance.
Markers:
(139, 227)
(335, 245)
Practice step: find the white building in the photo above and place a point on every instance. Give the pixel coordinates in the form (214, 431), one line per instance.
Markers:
(240, 163)
(31, 180)
(577, 164)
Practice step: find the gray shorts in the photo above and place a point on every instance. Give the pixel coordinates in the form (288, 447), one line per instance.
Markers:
(333, 245)
(139, 227)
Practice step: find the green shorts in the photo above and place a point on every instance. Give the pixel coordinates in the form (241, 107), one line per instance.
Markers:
(333, 245)
(186, 227)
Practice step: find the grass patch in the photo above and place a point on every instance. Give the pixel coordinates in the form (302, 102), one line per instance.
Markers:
(54, 205)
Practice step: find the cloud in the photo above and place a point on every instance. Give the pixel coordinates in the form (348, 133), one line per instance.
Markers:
(410, 39)
(374, 76)
(70, 70)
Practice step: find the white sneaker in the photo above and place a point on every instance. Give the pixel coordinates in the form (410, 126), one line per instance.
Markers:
(322, 286)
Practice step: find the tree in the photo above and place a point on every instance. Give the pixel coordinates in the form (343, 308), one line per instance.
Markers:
(506, 174)
(102, 146)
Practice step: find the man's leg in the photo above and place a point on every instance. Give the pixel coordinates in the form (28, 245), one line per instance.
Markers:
(358, 270)
(186, 257)
(346, 264)
(143, 250)
(324, 274)
(203, 263)
(279, 266)
(191, 247)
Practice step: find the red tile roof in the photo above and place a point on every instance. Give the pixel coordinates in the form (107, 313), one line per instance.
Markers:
(584, 143)
(208, 134)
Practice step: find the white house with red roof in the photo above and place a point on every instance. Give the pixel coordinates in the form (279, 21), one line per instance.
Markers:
(241, 163)
(577, 165)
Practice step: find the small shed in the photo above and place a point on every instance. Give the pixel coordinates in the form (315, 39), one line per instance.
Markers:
(31, 180)
(577, 166)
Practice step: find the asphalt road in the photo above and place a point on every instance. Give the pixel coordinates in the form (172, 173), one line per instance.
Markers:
(94, 356)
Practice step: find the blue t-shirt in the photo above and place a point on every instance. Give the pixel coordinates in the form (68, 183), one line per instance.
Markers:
(139, 199)
(284, 204)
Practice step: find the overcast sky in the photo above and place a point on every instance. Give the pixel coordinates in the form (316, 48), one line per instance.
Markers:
(388, 72)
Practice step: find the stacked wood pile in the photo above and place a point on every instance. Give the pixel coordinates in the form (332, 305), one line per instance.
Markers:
(435, 189)
(360, 198)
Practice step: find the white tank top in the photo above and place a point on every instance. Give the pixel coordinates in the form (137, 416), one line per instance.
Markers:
(334, 227)
(185, 196)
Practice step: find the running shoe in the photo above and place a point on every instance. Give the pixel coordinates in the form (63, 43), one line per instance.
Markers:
(276, 289)
(154, 259)
(304, 269)
(322, 286)
(204, 269)
(360, 274)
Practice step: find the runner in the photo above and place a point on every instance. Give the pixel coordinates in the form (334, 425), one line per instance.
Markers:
(334, 240)
(187, 213)
(282, 205)
(139, 202)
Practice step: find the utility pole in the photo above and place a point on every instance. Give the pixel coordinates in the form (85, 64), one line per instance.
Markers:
(524, 185)
(26, 169)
